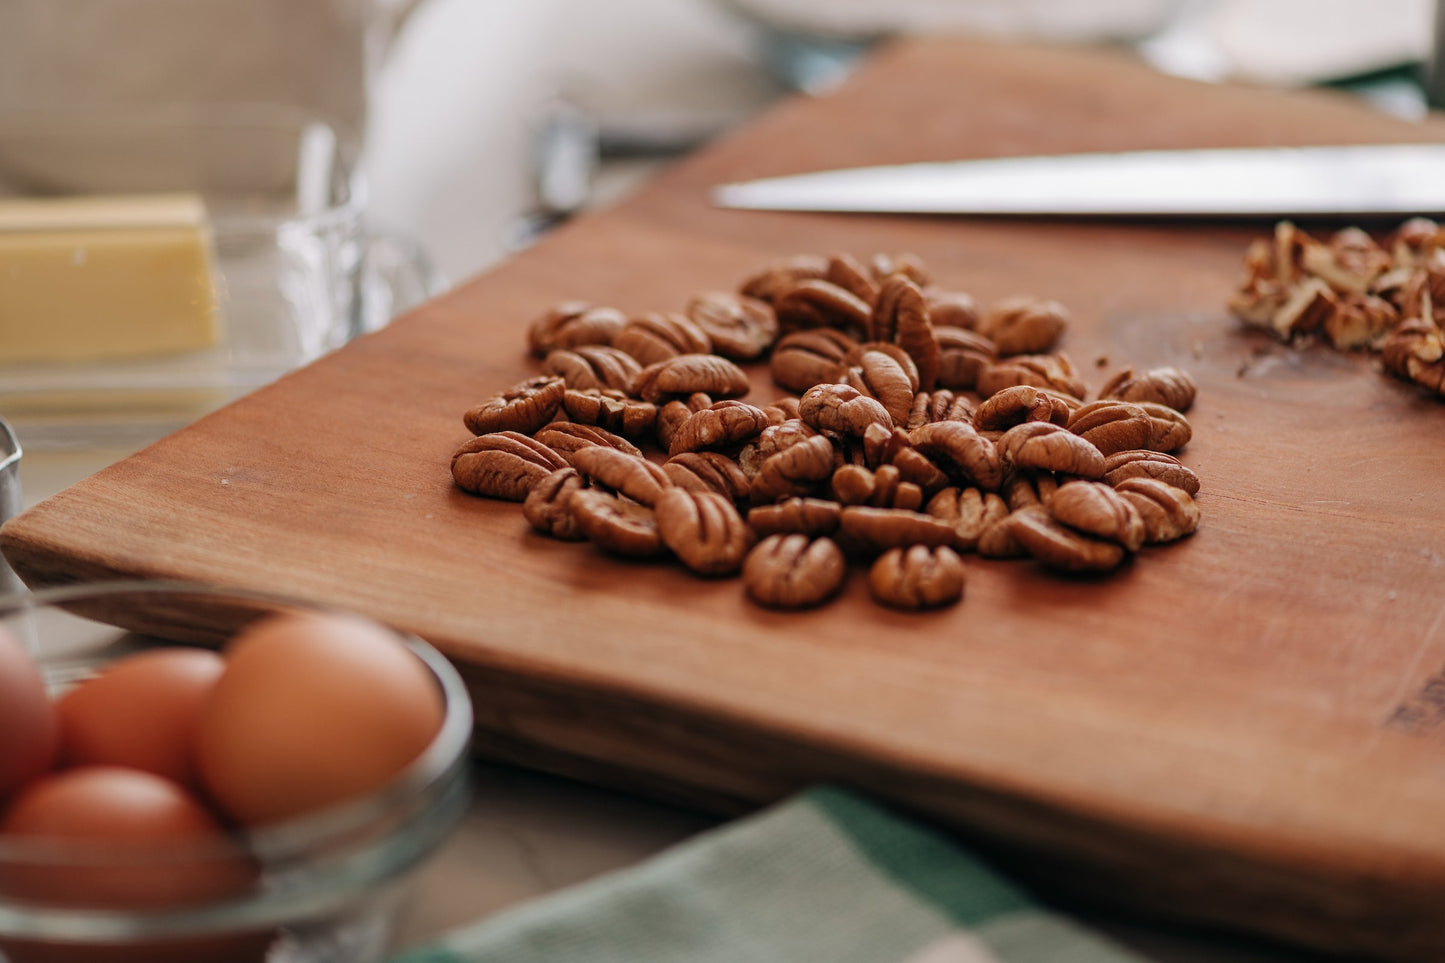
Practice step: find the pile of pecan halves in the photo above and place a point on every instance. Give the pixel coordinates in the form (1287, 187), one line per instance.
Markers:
(1354, 293)
(915, 427)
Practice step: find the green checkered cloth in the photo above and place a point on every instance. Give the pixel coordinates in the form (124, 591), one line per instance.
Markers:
(826, 876)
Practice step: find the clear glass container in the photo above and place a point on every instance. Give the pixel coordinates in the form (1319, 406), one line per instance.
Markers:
(329, 883)
(294, 270)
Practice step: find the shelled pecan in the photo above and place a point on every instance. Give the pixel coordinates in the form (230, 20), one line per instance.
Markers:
(922, 425)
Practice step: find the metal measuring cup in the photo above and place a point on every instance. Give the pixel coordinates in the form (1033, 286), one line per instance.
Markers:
(10, 501)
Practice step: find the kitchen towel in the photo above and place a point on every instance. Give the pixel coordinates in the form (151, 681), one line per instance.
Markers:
(827, 876)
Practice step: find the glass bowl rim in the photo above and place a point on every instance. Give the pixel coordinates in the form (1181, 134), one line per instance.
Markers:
(440, 772)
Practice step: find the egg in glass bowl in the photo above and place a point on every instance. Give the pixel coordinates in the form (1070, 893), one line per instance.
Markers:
(191, 773)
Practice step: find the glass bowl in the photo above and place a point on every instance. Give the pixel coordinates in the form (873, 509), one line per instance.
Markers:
(327, 885)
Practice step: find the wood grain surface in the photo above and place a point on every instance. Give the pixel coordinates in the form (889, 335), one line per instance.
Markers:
(1246, 728)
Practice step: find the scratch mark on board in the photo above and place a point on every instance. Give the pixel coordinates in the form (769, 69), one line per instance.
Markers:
(1426, 709)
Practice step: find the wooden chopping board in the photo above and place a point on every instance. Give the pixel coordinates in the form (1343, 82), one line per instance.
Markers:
(1244, 729)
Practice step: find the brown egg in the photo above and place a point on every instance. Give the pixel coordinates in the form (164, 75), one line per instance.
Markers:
(118, 813)
(133, 840)
(27, 719)
(312, 710)
(140, 712)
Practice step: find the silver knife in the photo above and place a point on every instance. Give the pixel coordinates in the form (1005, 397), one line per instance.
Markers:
(1375, 179)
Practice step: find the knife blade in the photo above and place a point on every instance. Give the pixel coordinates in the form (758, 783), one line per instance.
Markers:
(1362, 180)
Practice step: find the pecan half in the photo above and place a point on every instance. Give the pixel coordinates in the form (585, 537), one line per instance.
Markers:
(879, 375)
(853, 484)
(879, 529)
(1024, 325)
(1045, 446)
(886, 488)
(963, 454)
(660, 335)
(821, 304)
(610, 409)
(771, 281)
(1150, 464)
(1024, 488)
(546, 506)
(671, 415)
(503, 464)
(775, 438)
(721, 425)
(858, 353)
(794, 571)
(915, 335)
(632, 475)
(1063, 548)
(962, 356)
(917, 577)
(1018, 404)
(805, 516)
(916, 468)
(571, 325)
(740, 328)
(794, 471)
(845, 271)
(1052, 371)
(941, 404)
(997, 540)
(1094, 508)
(1165, 386)
(524, 407)
(1171, 429)
(690, 373)
(840, 408)
(616, 525)
(704, 531)
(708, 471)
(880, 444)
(906, 263)
(803, 359)
(594, 366)
(1113, 425)
(781, 410)
(969, 511)
(953, 309)
(883, 321)
(1168, 512)
(566, 438)
(907, 323)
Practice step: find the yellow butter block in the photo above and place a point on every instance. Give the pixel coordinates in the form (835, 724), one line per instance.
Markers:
(101, 278)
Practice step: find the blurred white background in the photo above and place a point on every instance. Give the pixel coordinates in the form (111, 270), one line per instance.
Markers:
(461, 102)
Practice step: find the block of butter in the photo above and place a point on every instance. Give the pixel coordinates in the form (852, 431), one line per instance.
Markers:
(105, 277)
